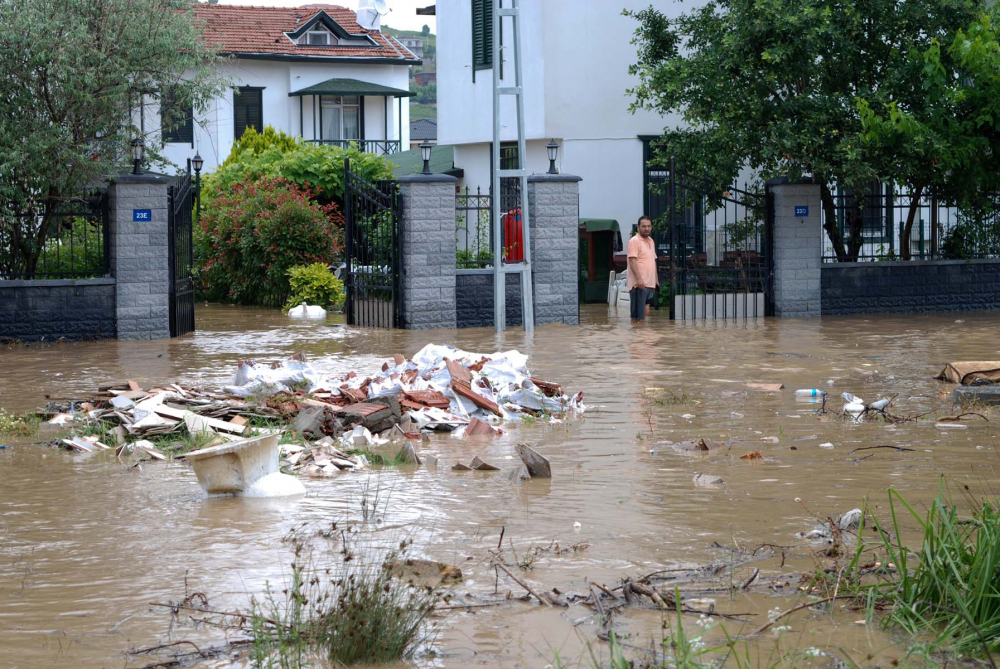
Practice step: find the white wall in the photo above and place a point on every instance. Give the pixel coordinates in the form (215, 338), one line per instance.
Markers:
(214, 131)
(465, 109)
(576, 55)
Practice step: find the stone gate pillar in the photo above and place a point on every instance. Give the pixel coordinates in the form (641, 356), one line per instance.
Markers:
(554, 201)
(139, 226)
(427, 250)
(797, 248)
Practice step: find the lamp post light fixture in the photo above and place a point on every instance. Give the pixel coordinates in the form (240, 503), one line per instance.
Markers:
(425, 153)
(553, 150)
(138, 153)
(197, 162)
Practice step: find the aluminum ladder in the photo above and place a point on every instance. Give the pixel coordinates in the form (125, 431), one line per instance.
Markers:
(500, 268)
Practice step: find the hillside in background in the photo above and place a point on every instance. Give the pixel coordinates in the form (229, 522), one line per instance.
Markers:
(424, 102)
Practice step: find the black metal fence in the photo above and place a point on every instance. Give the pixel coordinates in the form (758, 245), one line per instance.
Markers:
(474, 229)
(713, 246)
(181, 255)
(873, 225)
(372, 251)
(71, 243)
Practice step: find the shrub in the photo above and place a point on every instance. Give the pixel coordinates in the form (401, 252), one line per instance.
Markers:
(318, 168)
(315, 284)
(253, 143)
(255, 232)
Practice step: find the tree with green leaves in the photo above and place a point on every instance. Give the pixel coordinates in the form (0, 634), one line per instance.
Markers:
(943, 134)
(74, 74)
(774, 87)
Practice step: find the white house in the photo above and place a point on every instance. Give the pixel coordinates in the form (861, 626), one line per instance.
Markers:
(309, 71)
(575, 60)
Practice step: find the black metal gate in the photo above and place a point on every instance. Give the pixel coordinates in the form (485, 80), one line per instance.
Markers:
(181, 252)
(716, 244)
(372, 279)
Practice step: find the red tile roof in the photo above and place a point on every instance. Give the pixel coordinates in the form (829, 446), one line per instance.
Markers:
(242, 29)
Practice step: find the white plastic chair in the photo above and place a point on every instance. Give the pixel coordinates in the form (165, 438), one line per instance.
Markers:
(618, 290)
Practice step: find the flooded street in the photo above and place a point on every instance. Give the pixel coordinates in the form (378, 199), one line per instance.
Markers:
(86, 544)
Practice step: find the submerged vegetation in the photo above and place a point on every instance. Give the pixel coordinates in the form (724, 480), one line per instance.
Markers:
(358, 610)
(14, 425)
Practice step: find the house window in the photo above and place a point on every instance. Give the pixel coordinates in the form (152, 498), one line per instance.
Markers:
(482, 34)
(176, 119)
(318, 36)
(340, 117)
(248, 109)
(508, 156)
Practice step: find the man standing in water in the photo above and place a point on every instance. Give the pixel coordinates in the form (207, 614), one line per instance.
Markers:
(642, 280)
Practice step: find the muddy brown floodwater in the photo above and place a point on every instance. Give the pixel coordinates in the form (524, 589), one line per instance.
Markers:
(85, 545)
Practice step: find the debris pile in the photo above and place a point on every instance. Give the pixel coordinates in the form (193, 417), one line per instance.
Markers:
(441, 387)
(341, 418)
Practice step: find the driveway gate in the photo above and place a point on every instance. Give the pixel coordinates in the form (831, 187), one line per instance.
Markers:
(372, 251)
(181, 250)
(717, 248)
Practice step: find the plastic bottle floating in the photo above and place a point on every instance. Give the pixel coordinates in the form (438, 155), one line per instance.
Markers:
(307, 311)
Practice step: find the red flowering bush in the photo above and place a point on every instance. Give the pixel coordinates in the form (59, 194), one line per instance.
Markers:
(254, 233)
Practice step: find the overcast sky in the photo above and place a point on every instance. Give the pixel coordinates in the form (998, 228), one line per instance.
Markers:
(402, 13)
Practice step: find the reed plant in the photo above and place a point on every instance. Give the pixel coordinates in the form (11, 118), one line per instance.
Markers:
(950, 586)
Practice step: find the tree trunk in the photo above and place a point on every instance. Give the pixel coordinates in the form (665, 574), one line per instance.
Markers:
(855, 223)
(830, 224)
(41, 235)
(904, 239)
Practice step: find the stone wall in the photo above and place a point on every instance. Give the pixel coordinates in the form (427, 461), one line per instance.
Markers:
(48, 310)
(554, 201)
(474, 299)
(899, 287)
(139, 257)
(427, 250)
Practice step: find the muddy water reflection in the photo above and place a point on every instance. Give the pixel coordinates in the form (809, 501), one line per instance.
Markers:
(85, 545)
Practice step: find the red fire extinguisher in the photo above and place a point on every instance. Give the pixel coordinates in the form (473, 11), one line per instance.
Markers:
(513, 234)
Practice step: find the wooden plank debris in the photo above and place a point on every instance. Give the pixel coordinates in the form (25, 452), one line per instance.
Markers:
(766, 387)
(466, 391)
(181, 414)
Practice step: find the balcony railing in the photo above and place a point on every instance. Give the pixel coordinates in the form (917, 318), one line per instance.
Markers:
(381, 147)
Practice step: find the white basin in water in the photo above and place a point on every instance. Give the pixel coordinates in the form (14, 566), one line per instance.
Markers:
(307, 311)
(245, 468)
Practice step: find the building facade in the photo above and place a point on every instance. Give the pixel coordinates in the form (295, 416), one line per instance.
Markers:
(574, 92)
(310, 72)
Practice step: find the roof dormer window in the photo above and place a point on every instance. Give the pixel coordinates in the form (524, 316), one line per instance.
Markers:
(322, 30)
(319, 35)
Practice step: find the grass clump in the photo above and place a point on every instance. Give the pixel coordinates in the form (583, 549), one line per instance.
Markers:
(15, 425)
(951, 585)
(380, 458)
(358, 611)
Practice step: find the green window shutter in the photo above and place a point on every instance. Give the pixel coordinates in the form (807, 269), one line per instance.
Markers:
(247, 110)
(176, 120)
(482, 34)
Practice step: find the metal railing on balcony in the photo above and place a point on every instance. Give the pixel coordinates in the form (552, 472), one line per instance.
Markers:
(382, 147)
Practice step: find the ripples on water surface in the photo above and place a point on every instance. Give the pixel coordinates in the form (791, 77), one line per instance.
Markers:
(84, 545)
